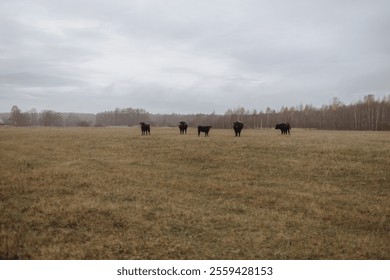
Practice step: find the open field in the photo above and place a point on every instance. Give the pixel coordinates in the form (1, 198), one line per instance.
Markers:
(110, 193)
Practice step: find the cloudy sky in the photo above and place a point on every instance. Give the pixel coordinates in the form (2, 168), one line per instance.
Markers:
(191, 56)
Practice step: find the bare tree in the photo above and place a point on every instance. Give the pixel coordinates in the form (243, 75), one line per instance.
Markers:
(16, 116)
(50, 118)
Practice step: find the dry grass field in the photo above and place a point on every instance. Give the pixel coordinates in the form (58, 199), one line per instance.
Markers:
(110, 193)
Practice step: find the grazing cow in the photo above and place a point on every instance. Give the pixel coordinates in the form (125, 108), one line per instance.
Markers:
(238, 126)
(204, 129)
(145, 128)
(183, 127)
(284, 128)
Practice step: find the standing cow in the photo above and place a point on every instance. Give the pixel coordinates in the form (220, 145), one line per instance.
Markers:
(284, 128)
(183, 127)
(238, 126)
(145, 128)
(204, 129)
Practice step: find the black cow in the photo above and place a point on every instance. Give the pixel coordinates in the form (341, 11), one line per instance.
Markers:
(204, 129)
(183, 127)
(145, 128)
(284, 128)
(238, 126)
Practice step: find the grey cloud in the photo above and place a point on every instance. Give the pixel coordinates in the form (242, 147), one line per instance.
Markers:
(193, 55)
(25, 79)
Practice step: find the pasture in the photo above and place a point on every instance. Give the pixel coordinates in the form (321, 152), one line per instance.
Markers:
(111, 193)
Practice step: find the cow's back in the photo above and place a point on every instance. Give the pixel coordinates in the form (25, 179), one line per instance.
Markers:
(204, 129)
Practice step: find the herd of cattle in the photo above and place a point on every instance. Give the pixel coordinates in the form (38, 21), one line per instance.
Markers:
(237, 126)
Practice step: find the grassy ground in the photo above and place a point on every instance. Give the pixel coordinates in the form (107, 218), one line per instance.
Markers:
(110, 193)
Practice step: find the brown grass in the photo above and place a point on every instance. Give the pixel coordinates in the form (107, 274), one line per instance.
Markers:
(110, 193)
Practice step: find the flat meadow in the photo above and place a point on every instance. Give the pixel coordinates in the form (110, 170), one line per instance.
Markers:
(111, 193)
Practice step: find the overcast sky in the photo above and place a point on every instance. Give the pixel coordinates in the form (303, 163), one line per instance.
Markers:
(191, 56)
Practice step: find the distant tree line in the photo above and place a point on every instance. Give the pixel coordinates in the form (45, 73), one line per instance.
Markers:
(367, 114)
(127, 116)
(47, 118)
